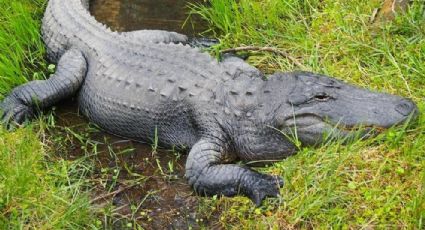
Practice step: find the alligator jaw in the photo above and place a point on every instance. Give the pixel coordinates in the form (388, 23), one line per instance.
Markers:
(315, 125)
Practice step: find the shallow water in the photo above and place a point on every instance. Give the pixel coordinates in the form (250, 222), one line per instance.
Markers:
(129, 15)
(162, 199)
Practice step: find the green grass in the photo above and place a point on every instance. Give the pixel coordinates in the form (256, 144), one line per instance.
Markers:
(37, 190)
(378, 183)
(21, 47)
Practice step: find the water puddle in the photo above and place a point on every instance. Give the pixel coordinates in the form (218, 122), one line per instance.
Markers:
(129, 15)
(131, 182)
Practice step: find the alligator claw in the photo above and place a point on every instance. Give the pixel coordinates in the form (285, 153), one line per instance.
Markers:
(264, 186)
(14, 113)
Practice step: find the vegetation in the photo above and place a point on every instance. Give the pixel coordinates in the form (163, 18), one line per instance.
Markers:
(37, 190)
(376, 183)
(22, 50)
(379, 183)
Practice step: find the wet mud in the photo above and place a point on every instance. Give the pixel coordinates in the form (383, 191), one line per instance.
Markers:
(134, 183)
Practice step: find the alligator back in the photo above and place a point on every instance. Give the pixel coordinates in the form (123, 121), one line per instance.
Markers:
(134, 86)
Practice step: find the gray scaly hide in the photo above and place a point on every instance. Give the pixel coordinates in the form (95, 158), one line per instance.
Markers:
(134, 83)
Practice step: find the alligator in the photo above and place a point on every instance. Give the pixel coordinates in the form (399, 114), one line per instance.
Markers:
(139, 84)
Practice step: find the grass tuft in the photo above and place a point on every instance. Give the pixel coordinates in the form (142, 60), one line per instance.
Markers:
(377, 183)
(22, 50)
(37, 193)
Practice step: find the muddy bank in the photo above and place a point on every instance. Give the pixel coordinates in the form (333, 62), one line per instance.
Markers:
(133, 183)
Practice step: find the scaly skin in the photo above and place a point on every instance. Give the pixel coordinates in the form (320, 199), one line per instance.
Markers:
(134, 83)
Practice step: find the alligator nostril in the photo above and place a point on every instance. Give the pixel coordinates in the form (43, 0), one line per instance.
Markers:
(405, 107)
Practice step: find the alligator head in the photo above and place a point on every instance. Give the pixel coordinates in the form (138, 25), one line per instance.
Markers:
(322, 105)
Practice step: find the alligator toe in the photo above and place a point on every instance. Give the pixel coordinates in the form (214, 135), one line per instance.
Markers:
(264, 186)
(14, 113)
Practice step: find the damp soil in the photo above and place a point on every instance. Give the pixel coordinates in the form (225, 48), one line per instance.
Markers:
(133, 182)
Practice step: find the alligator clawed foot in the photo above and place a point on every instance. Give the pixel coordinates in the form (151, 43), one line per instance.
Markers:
(264, 186)
(14, 113)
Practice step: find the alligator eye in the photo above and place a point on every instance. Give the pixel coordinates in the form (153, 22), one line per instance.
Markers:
(322, 97)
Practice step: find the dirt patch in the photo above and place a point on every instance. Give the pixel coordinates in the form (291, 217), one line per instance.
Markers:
(132, 183)
(390, 8)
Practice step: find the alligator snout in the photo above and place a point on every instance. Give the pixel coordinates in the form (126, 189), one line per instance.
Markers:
(406, 107)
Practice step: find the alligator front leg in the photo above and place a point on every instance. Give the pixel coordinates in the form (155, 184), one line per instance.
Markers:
(208, 175)
(23, 101)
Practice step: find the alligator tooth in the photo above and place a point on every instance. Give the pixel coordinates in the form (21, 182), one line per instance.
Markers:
(182, 88)
(233, 92)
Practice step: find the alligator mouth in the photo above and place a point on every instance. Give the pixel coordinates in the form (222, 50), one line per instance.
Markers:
(309, 120)
(373, 128)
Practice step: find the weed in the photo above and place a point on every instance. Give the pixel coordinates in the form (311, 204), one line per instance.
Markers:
(22, 49)
(374, 183)
(378, 183)
(35, 192)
